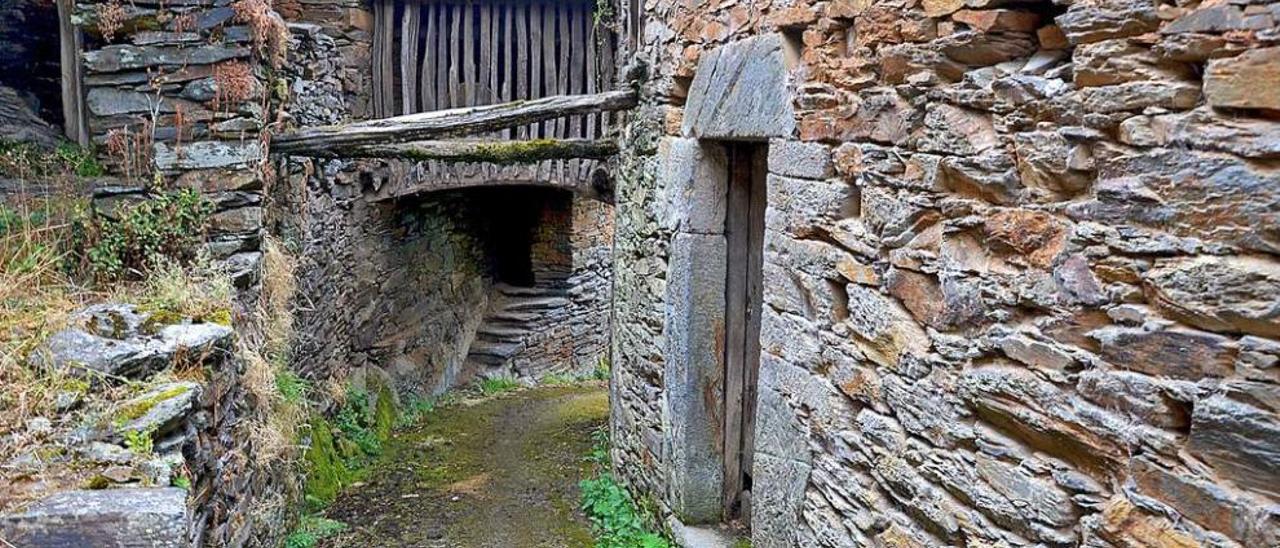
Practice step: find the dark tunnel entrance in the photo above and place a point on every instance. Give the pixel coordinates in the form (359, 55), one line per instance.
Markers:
(526, 231)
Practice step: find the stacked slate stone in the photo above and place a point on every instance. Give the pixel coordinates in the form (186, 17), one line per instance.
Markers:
(177, 96)
(192, 430)
(1022, 269)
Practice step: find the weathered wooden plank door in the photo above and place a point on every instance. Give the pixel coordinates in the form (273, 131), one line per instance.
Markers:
(744, 288)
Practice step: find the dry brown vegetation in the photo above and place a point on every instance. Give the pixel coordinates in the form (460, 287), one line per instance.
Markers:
(270, 34)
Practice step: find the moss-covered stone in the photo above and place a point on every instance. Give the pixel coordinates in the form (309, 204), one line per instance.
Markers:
(326, 472)
(136, 408)
(384, 412)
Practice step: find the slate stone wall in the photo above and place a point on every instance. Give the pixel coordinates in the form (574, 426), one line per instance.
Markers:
(1022, 282)
(398, 285)
(403, 284)
(29, 62)
(178, 96)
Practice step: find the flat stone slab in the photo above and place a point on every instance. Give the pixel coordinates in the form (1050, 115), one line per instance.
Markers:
(740, 92)
(102, 518)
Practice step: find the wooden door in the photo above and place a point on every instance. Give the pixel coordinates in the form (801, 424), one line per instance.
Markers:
(744, 230)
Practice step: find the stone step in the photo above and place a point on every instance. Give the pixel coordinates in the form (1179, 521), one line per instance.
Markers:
(516, 316)
(502, 350)
(519, 291)
(536, 303)
(500, 331)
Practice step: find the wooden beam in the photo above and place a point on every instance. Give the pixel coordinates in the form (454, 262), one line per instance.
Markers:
(498, 151)
(336, 141)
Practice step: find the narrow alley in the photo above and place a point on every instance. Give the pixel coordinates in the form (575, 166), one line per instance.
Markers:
(501, 471)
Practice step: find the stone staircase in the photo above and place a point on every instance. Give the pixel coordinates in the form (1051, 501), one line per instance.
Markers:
(514, 314)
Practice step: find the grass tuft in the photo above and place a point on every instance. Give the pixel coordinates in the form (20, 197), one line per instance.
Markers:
(497, 385)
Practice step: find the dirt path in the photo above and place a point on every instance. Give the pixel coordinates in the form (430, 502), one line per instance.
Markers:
(502, 472)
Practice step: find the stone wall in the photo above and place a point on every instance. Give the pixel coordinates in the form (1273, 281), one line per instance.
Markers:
(400, 286)
(177, 97)
(1021, 271)
(29, 62)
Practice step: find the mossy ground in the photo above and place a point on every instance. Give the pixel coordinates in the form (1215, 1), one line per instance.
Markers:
(500, 471)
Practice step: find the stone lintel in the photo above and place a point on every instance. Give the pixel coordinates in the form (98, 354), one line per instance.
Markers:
(740, 92)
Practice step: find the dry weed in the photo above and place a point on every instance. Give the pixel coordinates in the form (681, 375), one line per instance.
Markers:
(235, 83)
(111, 17)
(270, 34)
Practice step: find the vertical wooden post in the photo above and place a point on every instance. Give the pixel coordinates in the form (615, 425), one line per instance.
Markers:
(74, 116)
(410, 25)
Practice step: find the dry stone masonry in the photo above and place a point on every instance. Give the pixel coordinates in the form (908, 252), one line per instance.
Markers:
(1021, 270)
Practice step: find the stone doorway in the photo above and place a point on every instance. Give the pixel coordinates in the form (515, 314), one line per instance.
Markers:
(713, 324)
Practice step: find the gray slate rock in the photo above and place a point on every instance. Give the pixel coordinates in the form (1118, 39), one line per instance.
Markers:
(113, 517)
(738, 92)
(109, 339)
(160, 409)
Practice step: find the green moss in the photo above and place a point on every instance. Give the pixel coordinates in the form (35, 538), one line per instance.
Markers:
(98, 482)
(157, 319)
(384, 413)
(137, 408)
(326, 471)
(514, 152)
(220, 317)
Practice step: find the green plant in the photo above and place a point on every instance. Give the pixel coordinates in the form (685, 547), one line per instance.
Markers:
(559, 379)
(603, 12)
(356, 422)
(81, 161)
(601, 372)
(415, 408)
(292, 387)
(166, 226)
(311, 530)
(18, 159)
(599, 454)
(615, 517)
(182, 482)
(140, 442)
(498, 385)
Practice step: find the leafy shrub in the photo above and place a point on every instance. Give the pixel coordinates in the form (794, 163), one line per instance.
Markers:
(357, 422)
(167, 226)
(26, 160)
(614, 517)
(140, 442)
(291, 386)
